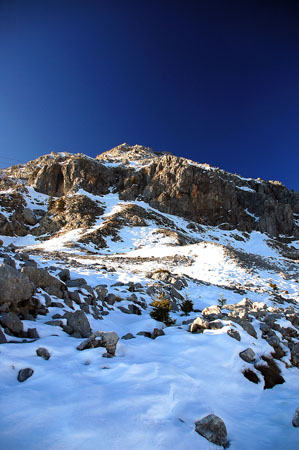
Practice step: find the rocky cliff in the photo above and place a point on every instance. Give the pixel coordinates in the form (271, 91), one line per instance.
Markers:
(173, 185)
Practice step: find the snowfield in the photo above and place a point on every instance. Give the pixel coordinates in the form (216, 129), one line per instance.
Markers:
(150, 394)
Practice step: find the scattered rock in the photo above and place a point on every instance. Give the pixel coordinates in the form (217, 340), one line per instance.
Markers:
(43, 352)
(32, 333)
(78, 282)
(247, 355)
(199, 325)
(156, 333)
(128, 336)
(213, 429)
(234, 334)
(144, 333)
(295, 421)
(79, 323)
(251, 376)
(29, 217)
(105, 339)
(64, 275)
(101, 291)
(216, 325)
(14, 286)
(212, 312)
(41, 278)
(24, 374)
(12, 322)
(3, 339)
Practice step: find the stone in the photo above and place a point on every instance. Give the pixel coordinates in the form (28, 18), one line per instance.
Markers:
(156, 333)
(41, 278)
(213, 429)
(175, 294)
(43, 353)
(199, 325)
(107, 339)
(79, 323)
(32, 333)
(246, 326)
(78, 282)
(54, 323)
(214, 311)
(64, 275)
(295, 420)
(101, 291)
(247, 355)
(110, 299)
(128, 336)
(24, 374)
(12, 322)
(29, 217)
(14, 286)
(3, 339)
(144, 333)
(273, 340)
(234, 334)
(9, 261)
(216, 325)
(244, 303)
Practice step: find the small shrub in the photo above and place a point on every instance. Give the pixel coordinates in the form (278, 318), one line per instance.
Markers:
(221, 301)
(187, 306)
(161, 309)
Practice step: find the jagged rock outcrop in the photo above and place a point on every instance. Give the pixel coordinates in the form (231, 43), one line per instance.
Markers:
(170, 184)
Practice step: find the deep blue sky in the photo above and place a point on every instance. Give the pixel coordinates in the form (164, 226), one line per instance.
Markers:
(214, 81)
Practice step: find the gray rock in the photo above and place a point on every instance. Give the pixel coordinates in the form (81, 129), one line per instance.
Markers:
(128, 336)
(234, 334)
(24, 374)
(12, 322)
(247, 355)
(295, 421)
(175, 294)
(54, 323)
(29, 217)
(101, 291)
(273, 340)
(76, 283)
(41, 278)
(14, 286)
(216, 325)
(199, 325)
(110, 299)
(64, 275)
(156, 333)
(75, 295)
(246, 326)
(213, 429)
(79, 323)
(144, 333)
(105, 339)
(9, 261)
(245, 303)
(32, 333)
(43, 353)
(3, 339)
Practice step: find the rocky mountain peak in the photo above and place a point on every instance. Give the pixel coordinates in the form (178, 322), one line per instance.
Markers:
(126, 154)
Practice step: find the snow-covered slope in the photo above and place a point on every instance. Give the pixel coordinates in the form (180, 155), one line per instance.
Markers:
(153, 390)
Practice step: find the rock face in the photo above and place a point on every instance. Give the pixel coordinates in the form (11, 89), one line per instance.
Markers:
(168, 183)
(213, 429)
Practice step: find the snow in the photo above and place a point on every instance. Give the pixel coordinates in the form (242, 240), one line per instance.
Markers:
(246, 188)
(149, 395)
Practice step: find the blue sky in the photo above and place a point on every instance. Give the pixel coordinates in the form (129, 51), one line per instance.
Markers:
(214, 81)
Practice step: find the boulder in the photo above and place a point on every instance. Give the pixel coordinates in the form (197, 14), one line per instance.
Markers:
(105, 339)
(199, 325)
(128, 336)
(101, 291)
(64, 275)
(12, 322)
(247, 355)
(212, 312)
(213, 429)
(42, 279)
(24, 374)
(234, 334)
(156, 333)
(14, 286)
(75, 283)
(29, 217)
(3, 339)
(43, 353)
(79, 323)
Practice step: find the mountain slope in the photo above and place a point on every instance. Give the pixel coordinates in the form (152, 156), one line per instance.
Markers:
(92, 242)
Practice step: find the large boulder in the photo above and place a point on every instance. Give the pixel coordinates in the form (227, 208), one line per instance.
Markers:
(14, 287)
(213, 429)
(42, 279)
(11, 322)
(199, 325)
(29, 217)
(78, 323)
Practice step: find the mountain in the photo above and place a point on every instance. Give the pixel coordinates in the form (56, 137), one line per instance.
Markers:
(183, 277)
